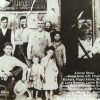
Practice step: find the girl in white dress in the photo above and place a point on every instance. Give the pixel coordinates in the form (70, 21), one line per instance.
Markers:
(50, 73)
(36, 73)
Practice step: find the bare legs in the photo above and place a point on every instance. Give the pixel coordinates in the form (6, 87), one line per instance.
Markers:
(48, 94)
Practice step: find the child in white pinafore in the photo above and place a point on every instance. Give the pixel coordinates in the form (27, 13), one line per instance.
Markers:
(36, 73)
(50, 73)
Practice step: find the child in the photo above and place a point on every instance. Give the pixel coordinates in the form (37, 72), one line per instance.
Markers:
(36, 73)
(50, 73)
(60, 57)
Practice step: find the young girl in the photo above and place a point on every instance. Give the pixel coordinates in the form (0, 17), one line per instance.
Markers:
(36, 73)
(50, 73)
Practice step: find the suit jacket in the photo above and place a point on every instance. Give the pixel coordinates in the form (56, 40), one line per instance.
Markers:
(4, 39)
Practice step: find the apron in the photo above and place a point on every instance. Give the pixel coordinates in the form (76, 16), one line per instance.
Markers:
(39, 45)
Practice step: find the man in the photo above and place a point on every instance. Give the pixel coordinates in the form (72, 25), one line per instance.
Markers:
(48, 26)
(6, 35)
(11, 69)
(38, 41)
(60, 57)
(21, 39)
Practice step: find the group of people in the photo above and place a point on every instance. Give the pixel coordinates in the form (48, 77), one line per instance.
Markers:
(39, 50)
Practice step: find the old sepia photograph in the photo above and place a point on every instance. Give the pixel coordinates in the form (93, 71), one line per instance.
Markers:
(49, 49)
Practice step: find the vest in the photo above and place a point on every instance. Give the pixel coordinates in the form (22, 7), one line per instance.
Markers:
(4, 39)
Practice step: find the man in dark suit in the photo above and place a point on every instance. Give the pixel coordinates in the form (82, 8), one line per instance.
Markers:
(6, 34)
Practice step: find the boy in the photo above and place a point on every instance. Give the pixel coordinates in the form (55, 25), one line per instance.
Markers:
(60, 57)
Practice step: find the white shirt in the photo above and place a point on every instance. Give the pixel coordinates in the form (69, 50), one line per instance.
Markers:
(22, 35)
(4, 31)
(7, 63)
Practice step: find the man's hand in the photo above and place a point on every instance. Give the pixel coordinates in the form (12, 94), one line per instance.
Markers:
(3, 76)
(8, 73)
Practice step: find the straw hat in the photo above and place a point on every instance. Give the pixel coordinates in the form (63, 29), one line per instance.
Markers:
(20, 88)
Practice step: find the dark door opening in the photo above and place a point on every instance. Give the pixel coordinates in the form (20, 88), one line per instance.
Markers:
(70, 9)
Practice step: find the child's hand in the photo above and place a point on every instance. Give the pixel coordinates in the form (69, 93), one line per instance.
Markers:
(44, 80)
(29, 62)
(41, 77)
(31, 79)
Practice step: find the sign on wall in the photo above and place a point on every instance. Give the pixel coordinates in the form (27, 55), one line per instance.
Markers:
(25, 5)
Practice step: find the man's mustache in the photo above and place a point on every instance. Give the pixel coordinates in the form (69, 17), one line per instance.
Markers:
(23, 25)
